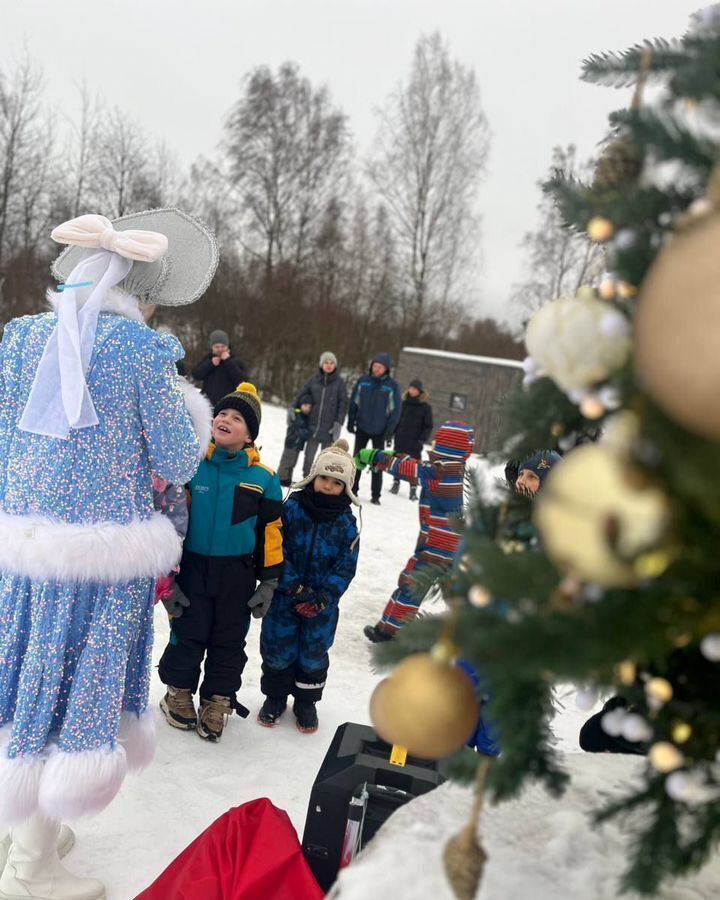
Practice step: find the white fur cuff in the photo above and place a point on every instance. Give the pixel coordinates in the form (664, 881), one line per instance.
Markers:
(80, 784)
(200, 410)
(107, 552)
(19, 784)
(137, 736)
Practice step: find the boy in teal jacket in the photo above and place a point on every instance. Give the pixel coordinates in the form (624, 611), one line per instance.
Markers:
(233, 541)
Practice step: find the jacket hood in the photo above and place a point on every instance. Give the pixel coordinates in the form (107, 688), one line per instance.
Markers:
(384, 359)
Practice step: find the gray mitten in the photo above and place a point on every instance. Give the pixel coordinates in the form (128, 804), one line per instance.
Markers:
(336, 430)
(260, 601)
(176, 603)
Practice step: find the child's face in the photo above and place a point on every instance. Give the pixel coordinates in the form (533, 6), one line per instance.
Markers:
(305, 408)
(323, 484)
(230, 430)
(218, 349)
(527, 481)
(413, 392)
(328, 366)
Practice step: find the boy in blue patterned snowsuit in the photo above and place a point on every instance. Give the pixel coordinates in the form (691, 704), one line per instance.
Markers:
(320, 542)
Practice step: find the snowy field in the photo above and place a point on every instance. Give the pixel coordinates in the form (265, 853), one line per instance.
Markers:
(191, 782)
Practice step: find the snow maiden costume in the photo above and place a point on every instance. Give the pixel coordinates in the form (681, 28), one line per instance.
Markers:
(90, 407)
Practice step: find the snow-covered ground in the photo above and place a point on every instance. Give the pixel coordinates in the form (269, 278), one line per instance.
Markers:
(192, 782)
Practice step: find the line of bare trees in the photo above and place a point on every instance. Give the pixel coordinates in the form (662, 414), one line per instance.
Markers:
(319, 249)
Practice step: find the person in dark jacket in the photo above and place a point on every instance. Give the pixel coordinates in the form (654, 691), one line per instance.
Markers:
(374, 413)
(219, 371)
(320, 542)
(414, 428)
(328, 399)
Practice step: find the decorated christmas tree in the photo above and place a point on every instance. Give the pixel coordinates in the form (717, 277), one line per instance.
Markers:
(610, 578)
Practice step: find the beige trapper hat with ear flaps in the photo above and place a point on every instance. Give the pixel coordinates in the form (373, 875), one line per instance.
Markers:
(334, 462)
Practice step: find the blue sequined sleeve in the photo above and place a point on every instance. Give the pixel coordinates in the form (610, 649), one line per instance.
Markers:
(173, 447)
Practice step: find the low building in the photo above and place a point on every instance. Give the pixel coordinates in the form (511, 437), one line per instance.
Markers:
(462, 386)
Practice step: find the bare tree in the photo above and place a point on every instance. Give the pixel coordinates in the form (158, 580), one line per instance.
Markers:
(559, 260)
(81, 151)
(287, 150)
(122, 177)
(20, 112)
(429, 155)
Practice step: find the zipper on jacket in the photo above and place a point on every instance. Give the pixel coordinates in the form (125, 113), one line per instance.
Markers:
(309, 556)
(217, 494)
(322, 403)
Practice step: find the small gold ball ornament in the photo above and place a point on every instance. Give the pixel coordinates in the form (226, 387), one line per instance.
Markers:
(626, 290)
(592, 407)
(626, 672)
(665, 757)
(658, 691)
(479, 596)
(677, 327)
(600, 229)
(425, 705)
(681, 732)
(593, 522)
(607, 289)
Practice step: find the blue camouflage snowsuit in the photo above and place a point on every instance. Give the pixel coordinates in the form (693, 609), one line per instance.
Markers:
(320, 558)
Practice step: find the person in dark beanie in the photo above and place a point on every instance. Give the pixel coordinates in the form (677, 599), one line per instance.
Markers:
(414, 428)
(328, 400)
(234, 541)
(219, 370)
(374, 414)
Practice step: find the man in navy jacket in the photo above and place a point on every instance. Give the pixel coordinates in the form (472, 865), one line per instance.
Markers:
(374, 413)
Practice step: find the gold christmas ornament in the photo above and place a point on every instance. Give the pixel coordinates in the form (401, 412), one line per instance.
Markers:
(427, 706)
(600, 229)
(665, 757)
(577, 341)
(479, 596)
(626, 290)
(658, 691)
(677, 327)
(607, 289)
(592, 522)
(626, 672)
(681, 732)
(591, 407)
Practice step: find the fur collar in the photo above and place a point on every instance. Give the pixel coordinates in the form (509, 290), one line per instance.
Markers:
(117, 301)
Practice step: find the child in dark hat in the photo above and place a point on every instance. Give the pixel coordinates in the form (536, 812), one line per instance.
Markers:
(219, 370)
(233, 542)
(414, 428)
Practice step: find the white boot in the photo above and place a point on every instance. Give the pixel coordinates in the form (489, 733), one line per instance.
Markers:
(33, 870)
(66, 841)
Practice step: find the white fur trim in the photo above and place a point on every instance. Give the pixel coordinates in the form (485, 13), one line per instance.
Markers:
(19, 783)
(201, 413)
(137, 735)
(116, 301)
(106, 552)
(80, 784)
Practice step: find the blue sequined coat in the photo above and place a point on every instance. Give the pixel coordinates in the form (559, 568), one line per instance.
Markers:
(80, 547)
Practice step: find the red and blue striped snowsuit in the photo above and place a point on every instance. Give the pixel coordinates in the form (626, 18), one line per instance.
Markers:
(441, 502)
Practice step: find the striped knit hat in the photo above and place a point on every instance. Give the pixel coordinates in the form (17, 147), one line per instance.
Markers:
(246, 401)
(455, 440)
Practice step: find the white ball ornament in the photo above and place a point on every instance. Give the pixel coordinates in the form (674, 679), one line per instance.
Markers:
(582, 501)
(612, 721)
(710, 647)
(586, 698)
(635, 728)
(566, 340)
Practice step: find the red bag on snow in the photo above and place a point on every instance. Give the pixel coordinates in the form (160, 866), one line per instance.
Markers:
(250, 853)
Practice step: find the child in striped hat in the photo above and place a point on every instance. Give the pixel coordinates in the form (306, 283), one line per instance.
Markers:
(441, 501)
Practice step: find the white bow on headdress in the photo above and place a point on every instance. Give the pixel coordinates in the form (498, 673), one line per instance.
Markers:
(97, 233)
(59, 399)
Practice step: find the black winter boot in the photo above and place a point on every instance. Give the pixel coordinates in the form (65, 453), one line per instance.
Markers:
(306, 717)
(271, 710)
(413, 492)
(395, 486)
(377, 634)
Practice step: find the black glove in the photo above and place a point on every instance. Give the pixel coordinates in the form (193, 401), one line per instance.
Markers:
(260, 601)
(176, 603)
(351, 428)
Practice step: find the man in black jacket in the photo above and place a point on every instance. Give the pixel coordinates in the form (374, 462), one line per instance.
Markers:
(219, 371)
(414, 428)
(328, 395)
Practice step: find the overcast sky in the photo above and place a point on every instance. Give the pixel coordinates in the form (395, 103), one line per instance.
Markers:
(176, 66)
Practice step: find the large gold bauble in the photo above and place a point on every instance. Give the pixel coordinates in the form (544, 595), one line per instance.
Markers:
(677, 329)
(426, 706)
(593, 521)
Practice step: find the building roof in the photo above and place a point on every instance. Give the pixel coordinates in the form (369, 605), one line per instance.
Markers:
(467, 357)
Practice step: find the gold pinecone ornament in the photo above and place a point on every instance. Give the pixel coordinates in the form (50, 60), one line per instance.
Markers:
(619, 164)
(464, 857)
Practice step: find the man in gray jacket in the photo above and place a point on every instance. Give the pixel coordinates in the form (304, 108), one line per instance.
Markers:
(329, 400)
